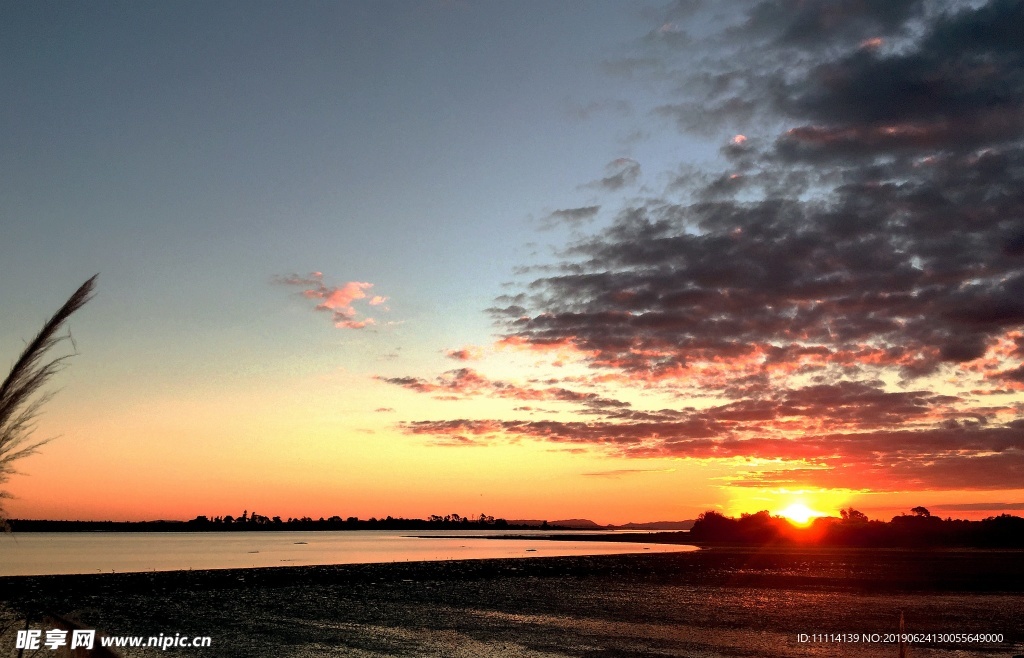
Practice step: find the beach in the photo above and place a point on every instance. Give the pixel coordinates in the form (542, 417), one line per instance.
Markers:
(715, 602)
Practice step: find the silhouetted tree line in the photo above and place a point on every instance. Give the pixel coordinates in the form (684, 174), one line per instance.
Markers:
(918, 529)
(256, 521)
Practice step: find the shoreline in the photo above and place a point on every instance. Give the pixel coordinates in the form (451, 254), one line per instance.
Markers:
(65, 554)
(883, 569)
(722, 601)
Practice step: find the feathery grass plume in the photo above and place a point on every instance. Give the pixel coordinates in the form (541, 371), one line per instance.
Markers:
(19, 404)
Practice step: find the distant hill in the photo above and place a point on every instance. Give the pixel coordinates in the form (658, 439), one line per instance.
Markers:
(574, 524)
(587, 524)
(577, 524)
(655, 525)
(532, 523)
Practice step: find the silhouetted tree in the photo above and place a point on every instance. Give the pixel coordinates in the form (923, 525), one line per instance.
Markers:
(921, 511)
(851, 515)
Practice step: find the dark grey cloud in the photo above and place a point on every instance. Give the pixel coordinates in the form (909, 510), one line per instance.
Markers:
(901, 71)
(894, 460)
(622, 172)
(683, 9)
(958, 89)
(844, 289)
(463, 383)
(826, 23)
(574, 217)
(918, 255)
(669, 35)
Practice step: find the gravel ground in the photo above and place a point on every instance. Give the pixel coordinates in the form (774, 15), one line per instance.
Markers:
(716, 602)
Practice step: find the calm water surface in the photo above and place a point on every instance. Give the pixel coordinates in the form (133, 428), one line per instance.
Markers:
(42, 553)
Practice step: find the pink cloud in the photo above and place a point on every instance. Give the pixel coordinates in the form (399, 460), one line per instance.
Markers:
(338, 300)
(354, 324)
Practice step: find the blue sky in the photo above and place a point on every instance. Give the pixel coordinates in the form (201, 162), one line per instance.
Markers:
(749, 257)
(193, 155)
(190, 156)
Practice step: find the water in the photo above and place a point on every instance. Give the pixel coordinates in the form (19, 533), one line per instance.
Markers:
(693, 605)
(46, 553)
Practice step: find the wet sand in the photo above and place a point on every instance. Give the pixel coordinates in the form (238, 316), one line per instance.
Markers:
(716, 602)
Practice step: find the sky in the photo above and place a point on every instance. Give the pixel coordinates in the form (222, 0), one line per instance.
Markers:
(606, 260)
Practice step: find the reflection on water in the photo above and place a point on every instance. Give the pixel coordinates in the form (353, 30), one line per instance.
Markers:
(80, 552)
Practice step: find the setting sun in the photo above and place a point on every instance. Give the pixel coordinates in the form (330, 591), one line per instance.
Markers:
(800, 514)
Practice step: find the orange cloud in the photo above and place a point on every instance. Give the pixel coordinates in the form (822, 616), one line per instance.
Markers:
(466, 382)
(468, 353)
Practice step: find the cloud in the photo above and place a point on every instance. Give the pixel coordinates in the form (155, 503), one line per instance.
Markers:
(622, 172)
(628, 471)
(353, 324)
(340, 299)
(573, 217)
(337, 300)
(814, 24)
(833, 304)
(918, 260)
(937, 459)
(468, 353)
(466, 382)
(456, 442)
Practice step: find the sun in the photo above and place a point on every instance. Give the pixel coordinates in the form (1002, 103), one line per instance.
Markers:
(800, 514)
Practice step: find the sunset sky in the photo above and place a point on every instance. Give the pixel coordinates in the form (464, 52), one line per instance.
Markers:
(606, 260)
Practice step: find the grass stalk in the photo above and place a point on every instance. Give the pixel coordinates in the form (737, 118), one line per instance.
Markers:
(20, 397)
